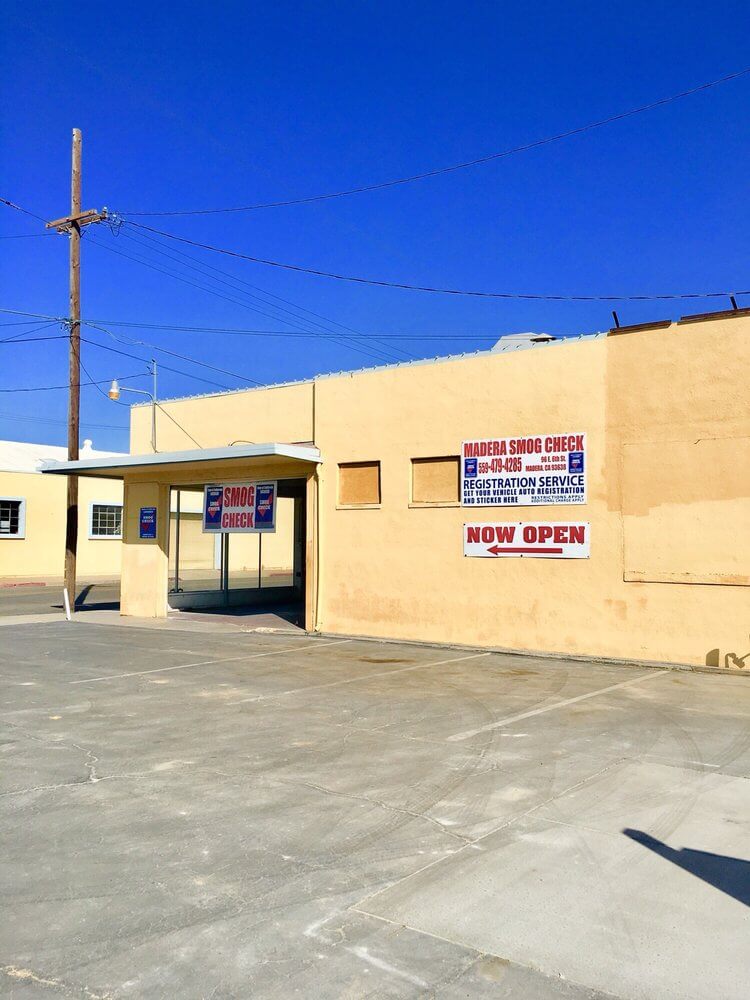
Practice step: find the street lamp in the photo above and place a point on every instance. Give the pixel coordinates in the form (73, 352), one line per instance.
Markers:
(114, 393)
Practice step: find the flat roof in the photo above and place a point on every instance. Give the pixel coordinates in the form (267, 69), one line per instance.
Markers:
(27, 456)
(115, 466)
(515, 342)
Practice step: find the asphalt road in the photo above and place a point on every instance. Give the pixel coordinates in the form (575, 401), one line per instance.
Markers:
(192, 815)
(32, 600)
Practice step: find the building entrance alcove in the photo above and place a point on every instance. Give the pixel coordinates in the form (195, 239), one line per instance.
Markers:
(237, 570)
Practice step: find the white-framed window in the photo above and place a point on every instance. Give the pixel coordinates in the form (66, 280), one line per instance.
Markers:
(105, 520)
(12, 517)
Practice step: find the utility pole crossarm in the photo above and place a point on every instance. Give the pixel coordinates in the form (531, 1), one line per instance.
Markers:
(65, 224)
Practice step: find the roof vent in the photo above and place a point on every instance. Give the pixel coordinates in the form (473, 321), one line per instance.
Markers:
(513, 340)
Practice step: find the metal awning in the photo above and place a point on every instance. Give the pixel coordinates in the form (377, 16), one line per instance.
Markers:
(118, 466)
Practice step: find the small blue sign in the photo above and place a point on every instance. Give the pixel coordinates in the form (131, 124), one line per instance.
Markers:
(470, 468)
(575, 461)
(264, 497)
(213, 508)
(148, 522)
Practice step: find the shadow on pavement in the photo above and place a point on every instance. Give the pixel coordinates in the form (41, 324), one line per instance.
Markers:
(293, 614)
(730, 875)
(95, 597)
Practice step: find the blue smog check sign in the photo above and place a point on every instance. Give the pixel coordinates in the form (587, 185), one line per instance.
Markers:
(524, 471)
(147, 522)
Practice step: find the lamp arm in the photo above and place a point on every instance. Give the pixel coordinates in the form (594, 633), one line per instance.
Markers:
(141, 392)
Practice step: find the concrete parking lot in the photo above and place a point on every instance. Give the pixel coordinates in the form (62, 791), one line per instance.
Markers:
(209, 815)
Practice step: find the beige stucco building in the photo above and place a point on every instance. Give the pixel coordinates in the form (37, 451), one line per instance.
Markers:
(33, 515)
(368, 466)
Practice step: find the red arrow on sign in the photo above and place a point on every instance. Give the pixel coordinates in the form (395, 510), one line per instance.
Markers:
(497, 549)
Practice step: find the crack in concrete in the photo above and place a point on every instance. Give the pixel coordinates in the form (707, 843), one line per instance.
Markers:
(91, 761)
(76, 783)
(593, 994)
(477, 840)
(378, 802)
(40, 979)
(457, 975)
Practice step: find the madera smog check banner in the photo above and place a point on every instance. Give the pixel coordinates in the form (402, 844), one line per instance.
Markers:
(524, 471)
(239, 507)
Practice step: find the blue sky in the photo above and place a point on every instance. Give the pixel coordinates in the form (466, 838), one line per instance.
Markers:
(212, 105)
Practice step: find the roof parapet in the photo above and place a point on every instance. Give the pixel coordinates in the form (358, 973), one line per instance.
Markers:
(720, 314)
(656, 324)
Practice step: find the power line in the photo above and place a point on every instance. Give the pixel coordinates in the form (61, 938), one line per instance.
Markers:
(49, 388)
(466, 163)
(34, 340)
(136, 357)
(27, 236)
(21, 312)
(203, 266)
(174, 354)
(239, 331)
(136, 343)
(441, 291)
(163, 350)
(242, 331)
(346, 341)
(359, 350)
(379, 354)
(23, 322)
(16, 338)
(172, 274)
(63, 423)
(178, 424)
(248, 332)
(154, 402)
(98, 386)
(20, 208)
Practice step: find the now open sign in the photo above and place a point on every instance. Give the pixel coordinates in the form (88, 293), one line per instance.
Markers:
(530, 539)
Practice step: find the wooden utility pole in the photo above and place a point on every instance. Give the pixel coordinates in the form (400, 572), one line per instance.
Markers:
(72, 225)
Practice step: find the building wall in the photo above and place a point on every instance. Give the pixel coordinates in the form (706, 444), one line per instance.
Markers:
(283, 413)
(41, 553)
(668, 424)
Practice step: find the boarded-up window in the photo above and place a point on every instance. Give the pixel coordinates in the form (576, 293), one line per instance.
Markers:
(435, 480)
(359, 483)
